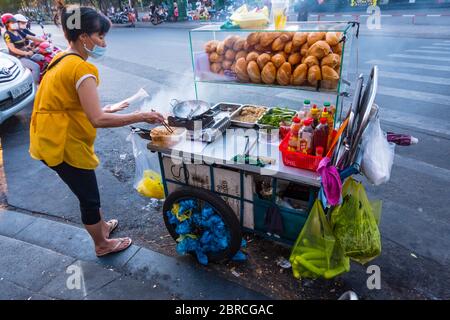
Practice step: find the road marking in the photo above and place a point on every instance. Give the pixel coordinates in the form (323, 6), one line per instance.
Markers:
(409, 15)
(434, 48)
(347, 15)
(415, 121)
(441, 44)
(433, 15)
(414, 77)
(409, 65)
(414, 95)
(428, 51)
(386, 15)
(407, 56)
(422, 167)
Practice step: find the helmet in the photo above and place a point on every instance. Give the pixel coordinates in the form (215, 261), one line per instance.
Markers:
(20, 18)
(7, 17)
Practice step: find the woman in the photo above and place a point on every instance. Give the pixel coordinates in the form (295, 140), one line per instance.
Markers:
(16, 41)
(66, 114)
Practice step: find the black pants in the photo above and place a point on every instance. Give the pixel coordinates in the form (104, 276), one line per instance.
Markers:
(83, 184)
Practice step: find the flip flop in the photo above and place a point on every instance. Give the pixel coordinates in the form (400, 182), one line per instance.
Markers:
(113, 225)
(117, 248)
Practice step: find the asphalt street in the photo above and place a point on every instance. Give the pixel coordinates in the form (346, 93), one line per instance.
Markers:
(413, 96)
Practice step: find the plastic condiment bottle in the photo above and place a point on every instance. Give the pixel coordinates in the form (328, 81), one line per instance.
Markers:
(305, 137)
(315, 114)
(293, 139)
(306, 108)
(331, 111)
(320, 137)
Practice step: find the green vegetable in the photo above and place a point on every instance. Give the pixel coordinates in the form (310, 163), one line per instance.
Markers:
(276, 115)
(317, 254)
(334, 272)
(305, 263)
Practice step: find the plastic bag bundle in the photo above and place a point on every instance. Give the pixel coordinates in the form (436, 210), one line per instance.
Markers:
(316, 252)
(355, 223)
(378, 154)
(214, 237)
(148, 180)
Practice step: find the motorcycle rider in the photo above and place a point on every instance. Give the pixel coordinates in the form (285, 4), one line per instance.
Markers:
(16, 41)
(23, 24)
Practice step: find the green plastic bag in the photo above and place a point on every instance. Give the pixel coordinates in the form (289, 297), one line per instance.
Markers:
(355, 223)
(316, 252)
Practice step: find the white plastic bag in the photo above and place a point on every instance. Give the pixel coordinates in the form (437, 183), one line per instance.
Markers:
(147, 180)
(378, 154)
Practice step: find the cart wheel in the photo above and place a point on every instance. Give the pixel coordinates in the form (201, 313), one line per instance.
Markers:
(220, 207)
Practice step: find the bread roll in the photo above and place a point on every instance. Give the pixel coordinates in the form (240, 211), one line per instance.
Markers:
(295, 59)
(216, 67)
(247, 46)
(337, 69)
(232, 68)
(319, 49)
(299, 39)
(253, 72)
(230, 54)
(214, 57)
(253, 38)
(332, 38)
(220, 48)
(226, 64)
(263, 59)
(332, 60)
(337, 48)
(300, 75)
(240, 54)
(311, 61)
(252, 56)
(288, 47)
(260, 48)
(239, 45)
(269, 73)
(330, 78)
(278, 60)
(304, 49)
(314, 75)
(278, 44)
(241, 70)
(313, 37)
(284, 74)
(211, 46)
(230, 40)
(267, 38)
(286, 36)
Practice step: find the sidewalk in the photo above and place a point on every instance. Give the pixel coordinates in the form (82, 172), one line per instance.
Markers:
(42, 258)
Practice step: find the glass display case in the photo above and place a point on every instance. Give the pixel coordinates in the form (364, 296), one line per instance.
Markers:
(305, 60)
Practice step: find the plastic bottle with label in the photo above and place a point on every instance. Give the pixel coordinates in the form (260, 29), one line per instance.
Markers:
(320, 138)
(315, 114)
(331, 110)
(293, 139)
(305, 136)
(305, 112)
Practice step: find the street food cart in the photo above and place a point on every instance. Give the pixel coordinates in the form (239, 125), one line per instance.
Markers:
(235, 167)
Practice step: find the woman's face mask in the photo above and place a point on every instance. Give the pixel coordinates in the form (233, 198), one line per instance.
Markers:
(96, 52)
(22, 25)
(14, 26)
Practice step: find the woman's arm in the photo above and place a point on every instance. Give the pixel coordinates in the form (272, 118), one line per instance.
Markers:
(35, 39)
(90, 101)
(18, 52)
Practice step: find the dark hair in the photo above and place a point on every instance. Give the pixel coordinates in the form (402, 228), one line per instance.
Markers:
(91, 21)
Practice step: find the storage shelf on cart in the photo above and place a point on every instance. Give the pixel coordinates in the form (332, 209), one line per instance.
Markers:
(256, 85)
(312, 26)
(293, 219)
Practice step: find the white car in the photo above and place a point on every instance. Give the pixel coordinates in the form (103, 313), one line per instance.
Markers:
(17, 88)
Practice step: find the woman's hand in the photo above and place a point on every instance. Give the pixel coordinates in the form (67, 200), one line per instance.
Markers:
(152, 117)
(116, 107)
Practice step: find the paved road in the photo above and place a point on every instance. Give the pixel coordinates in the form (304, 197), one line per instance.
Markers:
(414, 97)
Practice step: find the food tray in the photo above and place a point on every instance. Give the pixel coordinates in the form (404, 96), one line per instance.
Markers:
(243, 124)
(230, 108)
(267, 126)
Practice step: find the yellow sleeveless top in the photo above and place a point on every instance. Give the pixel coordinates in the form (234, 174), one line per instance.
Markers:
(60, 130)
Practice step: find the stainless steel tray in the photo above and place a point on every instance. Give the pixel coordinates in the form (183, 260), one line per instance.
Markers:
(243, 124)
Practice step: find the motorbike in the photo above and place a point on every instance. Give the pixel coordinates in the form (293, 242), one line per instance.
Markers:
(44, 51)
(119, 18)
(158, 17)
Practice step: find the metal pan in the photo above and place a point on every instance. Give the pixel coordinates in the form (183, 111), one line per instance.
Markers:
(189, 109)
(243, 124)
